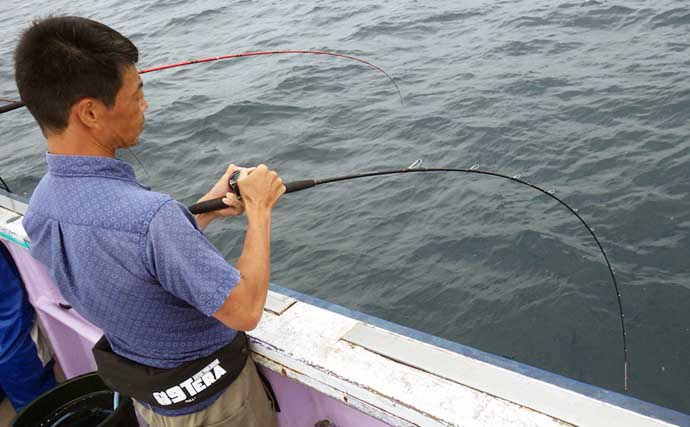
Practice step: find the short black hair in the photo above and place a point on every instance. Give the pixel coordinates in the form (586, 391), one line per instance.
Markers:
(62, 59)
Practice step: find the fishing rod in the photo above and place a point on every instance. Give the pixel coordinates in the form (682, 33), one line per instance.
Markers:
(294, 186)
(13, 105)
(4, 185)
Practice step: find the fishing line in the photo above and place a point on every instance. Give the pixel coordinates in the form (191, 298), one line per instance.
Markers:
(129, 150)
(294, 186)
(13, 105)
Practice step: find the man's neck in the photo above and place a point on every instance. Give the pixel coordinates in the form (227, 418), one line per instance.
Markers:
(74, 143)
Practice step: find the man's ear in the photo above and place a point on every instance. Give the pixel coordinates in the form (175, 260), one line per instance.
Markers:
(89, 112)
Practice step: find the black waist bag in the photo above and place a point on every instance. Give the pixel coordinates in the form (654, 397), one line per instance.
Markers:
(173, 388)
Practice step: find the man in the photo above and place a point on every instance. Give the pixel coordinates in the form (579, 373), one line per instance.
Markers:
(132, 261)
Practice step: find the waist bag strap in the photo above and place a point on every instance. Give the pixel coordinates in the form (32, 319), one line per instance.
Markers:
(173, 388)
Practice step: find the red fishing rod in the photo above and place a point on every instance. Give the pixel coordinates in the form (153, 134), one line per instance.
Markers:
(13, 105)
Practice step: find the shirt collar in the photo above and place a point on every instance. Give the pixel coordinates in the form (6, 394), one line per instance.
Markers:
(67, 165)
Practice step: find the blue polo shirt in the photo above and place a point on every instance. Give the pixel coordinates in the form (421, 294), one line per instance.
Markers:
(131, 261)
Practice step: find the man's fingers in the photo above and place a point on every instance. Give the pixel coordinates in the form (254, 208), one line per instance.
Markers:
(244, 172)
(232, 201)
(279, 185)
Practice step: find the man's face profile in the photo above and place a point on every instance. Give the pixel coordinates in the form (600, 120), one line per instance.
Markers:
(125, 120)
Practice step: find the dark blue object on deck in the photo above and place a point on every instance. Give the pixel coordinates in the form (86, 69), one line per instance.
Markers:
(23, 377)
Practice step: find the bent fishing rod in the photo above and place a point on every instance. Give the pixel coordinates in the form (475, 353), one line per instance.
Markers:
(13, 105)
(294, 186)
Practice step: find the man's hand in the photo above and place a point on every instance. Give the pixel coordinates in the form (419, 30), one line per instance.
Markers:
(243, 308)
(261, 188)
(222, 189)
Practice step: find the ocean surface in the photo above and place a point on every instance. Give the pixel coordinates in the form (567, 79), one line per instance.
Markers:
(590, 99)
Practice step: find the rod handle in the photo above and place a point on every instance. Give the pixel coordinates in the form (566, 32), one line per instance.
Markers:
(217, 204)
(207, 206)
(291, 187)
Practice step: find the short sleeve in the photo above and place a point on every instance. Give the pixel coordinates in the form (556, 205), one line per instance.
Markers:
(185, 262)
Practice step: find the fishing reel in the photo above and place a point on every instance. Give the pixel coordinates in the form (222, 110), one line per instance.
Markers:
(232, 182)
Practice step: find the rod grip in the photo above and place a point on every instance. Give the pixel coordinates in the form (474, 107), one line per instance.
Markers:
(208, 206)
(217, 204)
(291, 187)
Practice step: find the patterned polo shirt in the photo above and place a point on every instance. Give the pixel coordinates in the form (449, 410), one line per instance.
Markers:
(131, 261)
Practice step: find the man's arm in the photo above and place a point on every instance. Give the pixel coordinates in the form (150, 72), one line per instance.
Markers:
(203, 220)
(243, 308)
